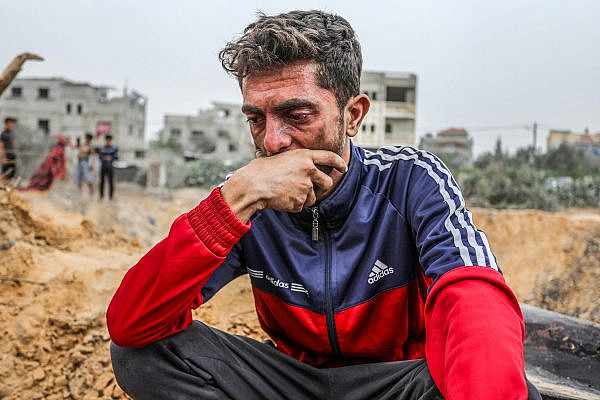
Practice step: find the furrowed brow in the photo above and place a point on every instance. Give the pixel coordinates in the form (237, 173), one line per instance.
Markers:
(249, 109)
(294, 103)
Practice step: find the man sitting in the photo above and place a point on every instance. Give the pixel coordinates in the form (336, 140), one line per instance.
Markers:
(363, 264)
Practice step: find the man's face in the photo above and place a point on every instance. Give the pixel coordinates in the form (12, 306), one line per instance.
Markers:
(9, 125)
(288, 110)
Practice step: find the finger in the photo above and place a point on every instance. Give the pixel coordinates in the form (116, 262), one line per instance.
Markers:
(321, 181)
(311, 198)
(324, 157)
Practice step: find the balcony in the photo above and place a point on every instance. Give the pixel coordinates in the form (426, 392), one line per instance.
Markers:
(397, 109)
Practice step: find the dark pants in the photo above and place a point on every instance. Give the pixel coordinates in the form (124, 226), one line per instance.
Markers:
(9, 170)
(205, 363)
(106, 173)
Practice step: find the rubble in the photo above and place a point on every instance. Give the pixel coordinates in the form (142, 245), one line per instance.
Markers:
(65, 265)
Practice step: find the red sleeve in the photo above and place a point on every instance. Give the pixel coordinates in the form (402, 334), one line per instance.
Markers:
(475, 332)
(157, 295)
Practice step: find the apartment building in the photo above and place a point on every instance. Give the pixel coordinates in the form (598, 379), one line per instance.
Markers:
(454, 146)
(45, 107)
(221, 130)
(391, 119)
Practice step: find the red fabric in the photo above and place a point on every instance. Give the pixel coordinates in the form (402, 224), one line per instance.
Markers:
(475, 334)
(393, 329)
(168, 279)
(53, 167)
(475, 330)
(301, 333)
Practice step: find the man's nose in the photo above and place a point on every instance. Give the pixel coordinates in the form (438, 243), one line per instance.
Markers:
(276, 137)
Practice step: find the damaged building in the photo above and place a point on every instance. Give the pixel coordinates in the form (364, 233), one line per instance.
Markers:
(45, 107)
(220, 131)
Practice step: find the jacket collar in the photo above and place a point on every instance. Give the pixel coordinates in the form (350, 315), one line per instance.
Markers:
(335, 208)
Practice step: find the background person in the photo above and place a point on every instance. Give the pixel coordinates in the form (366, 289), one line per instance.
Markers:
(85, 164)
(8, 155)
(52, 168)
(107, 154)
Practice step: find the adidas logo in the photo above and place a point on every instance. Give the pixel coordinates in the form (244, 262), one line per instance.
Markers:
(378, 271)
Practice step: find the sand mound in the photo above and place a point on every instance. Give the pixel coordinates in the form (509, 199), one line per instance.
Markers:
(49, 287)
(550, 260)
(61, 259)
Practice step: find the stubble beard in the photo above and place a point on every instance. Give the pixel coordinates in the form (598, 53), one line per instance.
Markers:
(337, 146)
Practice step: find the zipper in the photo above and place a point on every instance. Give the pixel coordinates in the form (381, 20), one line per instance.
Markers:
(315, 225)
(331, 331)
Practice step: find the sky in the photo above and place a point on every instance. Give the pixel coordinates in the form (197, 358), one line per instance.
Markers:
(491, 67)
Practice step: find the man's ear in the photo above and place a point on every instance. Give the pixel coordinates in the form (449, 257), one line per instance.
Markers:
(355, 110)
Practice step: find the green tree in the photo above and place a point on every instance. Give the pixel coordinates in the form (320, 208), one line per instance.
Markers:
(568, 161)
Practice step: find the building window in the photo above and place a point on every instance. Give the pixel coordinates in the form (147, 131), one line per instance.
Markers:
(130, 129)
(197, 134)
(223, 134)
(79, 108)
(175, 132)
(374, 95)
(396, 93)
(224, 113)
(232, 147)
(372, 127)
(16, 91)
(43, 93)
(44, 126)
(364, 127)
(68, 108)
(141, 132)
(388, 128)
(140, 154)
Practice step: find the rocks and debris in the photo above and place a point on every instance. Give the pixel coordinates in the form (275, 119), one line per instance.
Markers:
(55, 341)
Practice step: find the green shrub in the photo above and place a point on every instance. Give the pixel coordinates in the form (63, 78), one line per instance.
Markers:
(503, 185)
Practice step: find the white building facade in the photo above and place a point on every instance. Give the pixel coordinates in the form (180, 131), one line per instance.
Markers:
(50, 106)
(221, 130)
(453, 145)
(391, 118)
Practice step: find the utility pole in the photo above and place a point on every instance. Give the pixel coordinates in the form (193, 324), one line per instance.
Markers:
(532, 153)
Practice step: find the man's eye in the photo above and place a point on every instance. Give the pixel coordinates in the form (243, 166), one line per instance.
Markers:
(253, 120)
(298, 117)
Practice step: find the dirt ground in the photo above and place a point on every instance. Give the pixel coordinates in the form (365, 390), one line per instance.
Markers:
(62, 257)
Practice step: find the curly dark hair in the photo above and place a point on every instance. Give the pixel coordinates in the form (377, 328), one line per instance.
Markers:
(274, 41)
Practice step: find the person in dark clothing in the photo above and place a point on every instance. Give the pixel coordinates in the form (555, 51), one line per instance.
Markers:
(8, 157)
(107, 154)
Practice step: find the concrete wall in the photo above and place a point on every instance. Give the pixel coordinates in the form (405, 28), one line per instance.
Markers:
(72, 109)
(221, 131)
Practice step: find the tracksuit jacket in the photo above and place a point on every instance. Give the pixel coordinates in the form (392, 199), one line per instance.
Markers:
(390, 255)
